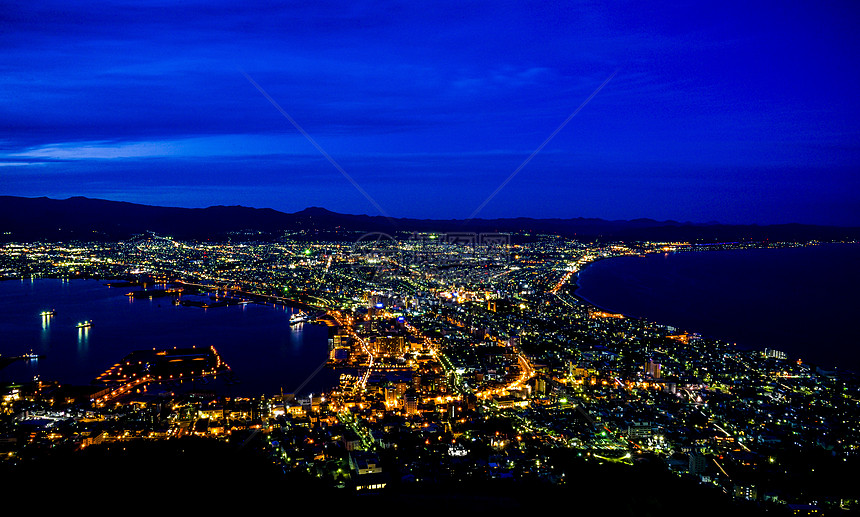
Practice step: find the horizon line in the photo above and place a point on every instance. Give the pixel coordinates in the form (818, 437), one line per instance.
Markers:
(641, 218)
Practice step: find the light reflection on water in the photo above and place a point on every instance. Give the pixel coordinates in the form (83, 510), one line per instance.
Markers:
(776, 298)
(255, 340)
(83, 338)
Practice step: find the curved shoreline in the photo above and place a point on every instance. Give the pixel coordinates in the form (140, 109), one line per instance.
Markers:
(247, 374)
(742, 344)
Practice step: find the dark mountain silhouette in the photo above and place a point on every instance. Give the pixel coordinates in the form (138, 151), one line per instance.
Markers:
(80, 218)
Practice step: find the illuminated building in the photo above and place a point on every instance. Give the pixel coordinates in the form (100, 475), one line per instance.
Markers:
(652, 369)
(776, 354)
(367, 470)
(698, 463)
(410, 399)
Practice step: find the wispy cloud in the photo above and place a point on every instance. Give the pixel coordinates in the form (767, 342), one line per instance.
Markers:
(200, 146)
(429, 102)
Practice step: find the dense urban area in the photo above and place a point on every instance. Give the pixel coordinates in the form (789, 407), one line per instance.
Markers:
(464, 360)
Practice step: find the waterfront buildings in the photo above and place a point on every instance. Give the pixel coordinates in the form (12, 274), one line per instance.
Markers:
(460, 364)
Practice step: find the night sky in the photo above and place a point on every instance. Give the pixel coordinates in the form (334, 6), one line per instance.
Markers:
(734, 112)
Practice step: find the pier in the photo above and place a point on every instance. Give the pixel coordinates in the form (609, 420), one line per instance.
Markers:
(142, 367)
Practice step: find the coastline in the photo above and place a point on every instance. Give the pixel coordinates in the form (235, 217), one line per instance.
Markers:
(748, 344)
(236, 334)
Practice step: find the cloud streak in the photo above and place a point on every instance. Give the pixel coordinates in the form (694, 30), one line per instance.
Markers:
(441, 98)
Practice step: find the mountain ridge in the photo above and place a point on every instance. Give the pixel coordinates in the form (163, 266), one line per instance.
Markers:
(82, 218)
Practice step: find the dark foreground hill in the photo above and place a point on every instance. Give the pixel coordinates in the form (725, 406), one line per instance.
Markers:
(80, 218)
(198, 475)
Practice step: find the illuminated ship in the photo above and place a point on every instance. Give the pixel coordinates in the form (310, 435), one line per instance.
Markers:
(84, 324)
(51, 312)
(299, 317)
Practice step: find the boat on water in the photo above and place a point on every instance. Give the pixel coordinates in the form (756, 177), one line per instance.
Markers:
(84, 324)
(299, 317)
(51, 312)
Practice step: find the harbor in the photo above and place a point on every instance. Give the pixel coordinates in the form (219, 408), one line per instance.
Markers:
(144, 367)
(265, 351)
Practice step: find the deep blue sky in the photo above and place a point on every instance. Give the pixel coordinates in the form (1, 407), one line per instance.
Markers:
(737, 112)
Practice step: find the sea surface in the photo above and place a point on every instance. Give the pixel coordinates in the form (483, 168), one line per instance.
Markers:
(264, 352)
(803, 301)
